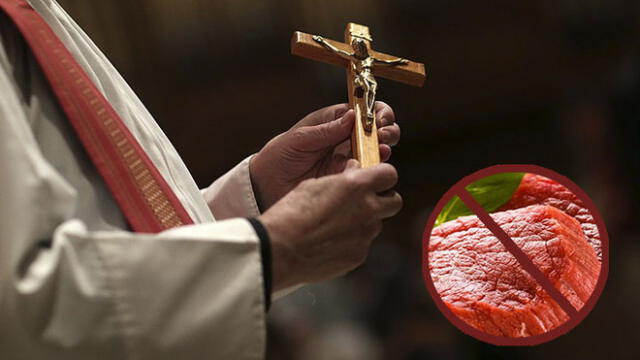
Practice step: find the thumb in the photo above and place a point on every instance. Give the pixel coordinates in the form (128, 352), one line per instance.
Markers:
(331, 133)
(352, 164)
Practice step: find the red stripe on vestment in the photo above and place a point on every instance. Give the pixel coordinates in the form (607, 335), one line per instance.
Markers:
(141, 192)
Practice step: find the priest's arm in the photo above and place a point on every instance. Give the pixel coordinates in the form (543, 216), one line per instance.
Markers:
(72, 292)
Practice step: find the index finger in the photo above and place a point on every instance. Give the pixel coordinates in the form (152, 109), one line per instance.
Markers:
(324, 115)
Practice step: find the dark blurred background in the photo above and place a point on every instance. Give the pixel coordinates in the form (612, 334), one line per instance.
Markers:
(554, 83)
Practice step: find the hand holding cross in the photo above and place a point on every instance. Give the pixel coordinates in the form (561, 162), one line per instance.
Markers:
(362, 64)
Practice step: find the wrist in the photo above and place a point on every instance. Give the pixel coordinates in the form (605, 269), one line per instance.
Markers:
(265, 255)
(258, 193)
(285, 269)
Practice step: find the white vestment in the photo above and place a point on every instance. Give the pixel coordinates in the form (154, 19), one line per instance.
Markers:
(74, 284)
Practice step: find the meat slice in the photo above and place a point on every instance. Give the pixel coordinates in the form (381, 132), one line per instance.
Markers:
(539, 190)
(484, 284)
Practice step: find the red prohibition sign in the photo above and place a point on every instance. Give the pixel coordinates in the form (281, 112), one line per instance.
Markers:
(575, 315)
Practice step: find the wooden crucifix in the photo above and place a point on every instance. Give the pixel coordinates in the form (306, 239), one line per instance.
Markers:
(362, 65)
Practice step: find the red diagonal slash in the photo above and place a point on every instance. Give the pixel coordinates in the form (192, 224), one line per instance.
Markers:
(513, 248)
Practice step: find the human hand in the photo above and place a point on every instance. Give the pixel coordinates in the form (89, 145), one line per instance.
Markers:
(318, 145)
(323, 228)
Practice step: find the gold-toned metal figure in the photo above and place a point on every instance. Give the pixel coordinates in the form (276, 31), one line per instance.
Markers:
(362, 64)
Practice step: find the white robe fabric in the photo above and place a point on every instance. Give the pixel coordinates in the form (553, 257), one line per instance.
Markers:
(74, 283)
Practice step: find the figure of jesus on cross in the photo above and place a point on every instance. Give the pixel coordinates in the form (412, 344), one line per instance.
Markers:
(362, 64)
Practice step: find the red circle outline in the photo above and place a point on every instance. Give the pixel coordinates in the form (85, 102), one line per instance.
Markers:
(535, 339)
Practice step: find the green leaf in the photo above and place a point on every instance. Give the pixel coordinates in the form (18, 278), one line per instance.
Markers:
(490, 192)
(453, 210)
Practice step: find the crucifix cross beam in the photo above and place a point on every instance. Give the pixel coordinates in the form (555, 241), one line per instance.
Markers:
(363, 65)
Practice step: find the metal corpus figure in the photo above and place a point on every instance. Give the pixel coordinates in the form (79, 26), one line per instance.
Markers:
(362, 64)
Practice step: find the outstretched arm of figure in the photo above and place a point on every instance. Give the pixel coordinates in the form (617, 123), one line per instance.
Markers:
(398, 61)
(325, 43)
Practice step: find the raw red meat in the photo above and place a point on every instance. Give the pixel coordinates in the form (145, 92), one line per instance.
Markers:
(484, 284)
(536, 189)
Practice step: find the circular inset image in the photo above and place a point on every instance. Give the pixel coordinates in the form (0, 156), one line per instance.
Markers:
(515, 255)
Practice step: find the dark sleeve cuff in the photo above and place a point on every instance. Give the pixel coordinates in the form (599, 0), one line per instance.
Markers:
(265, 254)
